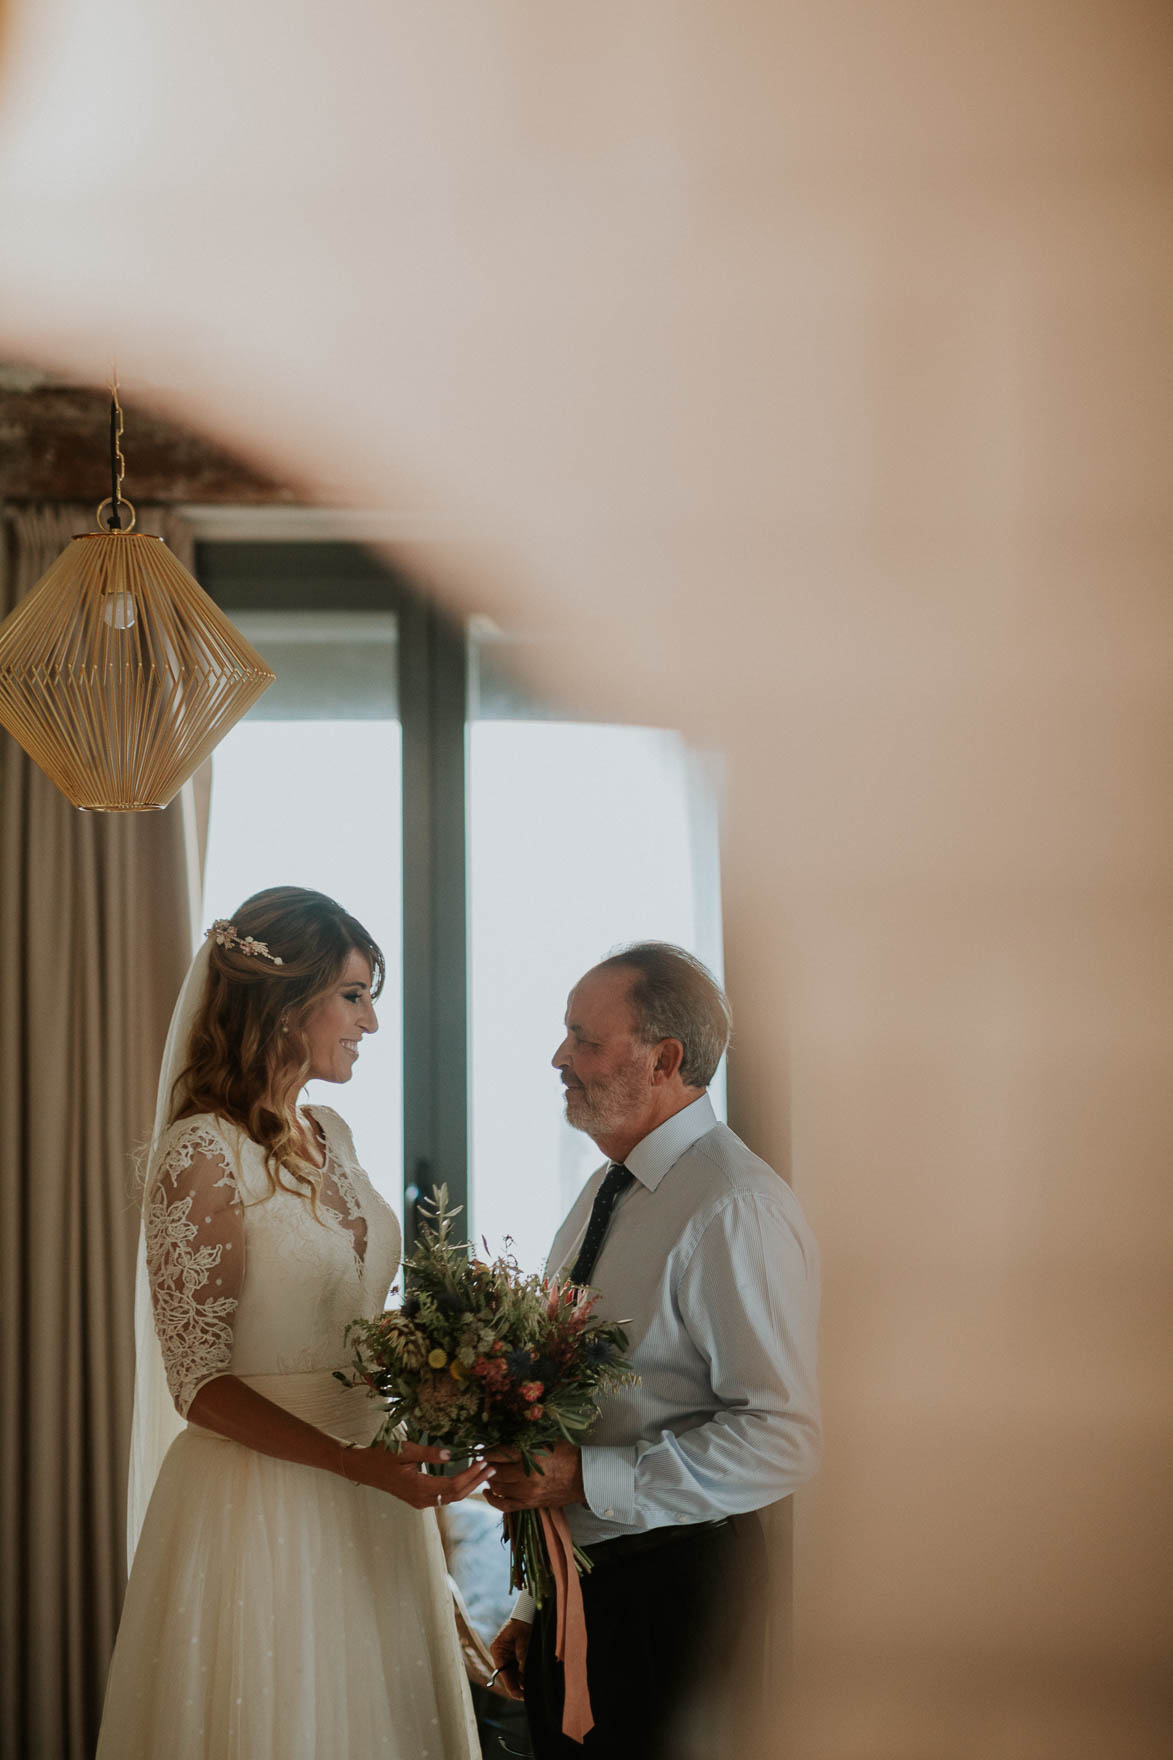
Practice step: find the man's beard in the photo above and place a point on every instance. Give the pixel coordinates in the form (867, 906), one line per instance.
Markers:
(605, 1106)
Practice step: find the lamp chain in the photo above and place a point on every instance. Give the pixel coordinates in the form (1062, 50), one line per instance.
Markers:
(117, 462)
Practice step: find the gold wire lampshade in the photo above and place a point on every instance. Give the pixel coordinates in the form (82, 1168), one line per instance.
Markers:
(118, 674)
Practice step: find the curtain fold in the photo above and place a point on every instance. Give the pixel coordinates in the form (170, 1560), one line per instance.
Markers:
(96, 925)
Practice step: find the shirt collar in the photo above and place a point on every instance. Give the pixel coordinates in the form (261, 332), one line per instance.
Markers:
(660, 1149)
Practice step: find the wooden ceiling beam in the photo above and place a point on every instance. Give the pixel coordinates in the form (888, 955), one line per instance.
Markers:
(55, 446)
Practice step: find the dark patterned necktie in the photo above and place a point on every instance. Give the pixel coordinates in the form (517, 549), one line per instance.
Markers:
(618, 1179)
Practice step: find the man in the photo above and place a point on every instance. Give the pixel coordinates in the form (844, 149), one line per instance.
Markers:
(702, 1251)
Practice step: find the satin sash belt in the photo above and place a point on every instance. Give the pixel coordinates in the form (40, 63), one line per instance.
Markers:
(349, 1413)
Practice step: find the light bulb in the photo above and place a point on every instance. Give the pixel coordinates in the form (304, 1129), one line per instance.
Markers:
(118, 610)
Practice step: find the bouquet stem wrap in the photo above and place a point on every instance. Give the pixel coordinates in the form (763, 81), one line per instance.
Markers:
(570, 1637)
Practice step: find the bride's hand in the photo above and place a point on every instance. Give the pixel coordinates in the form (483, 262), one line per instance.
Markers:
(401, 1473)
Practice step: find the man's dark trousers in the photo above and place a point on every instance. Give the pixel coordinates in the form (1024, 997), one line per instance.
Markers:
(665, 1622)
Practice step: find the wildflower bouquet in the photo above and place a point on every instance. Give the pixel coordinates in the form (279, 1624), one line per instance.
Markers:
(481, 1355)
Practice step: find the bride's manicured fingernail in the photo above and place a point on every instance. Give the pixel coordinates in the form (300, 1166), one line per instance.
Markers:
(445, 1454)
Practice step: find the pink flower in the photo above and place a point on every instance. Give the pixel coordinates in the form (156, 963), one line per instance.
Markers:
(534, 1413)
(532, 1390)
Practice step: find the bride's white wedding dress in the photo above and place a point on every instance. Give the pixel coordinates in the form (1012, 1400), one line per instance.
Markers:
(276, 1612)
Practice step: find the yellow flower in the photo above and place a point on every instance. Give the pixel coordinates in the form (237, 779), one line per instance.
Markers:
(456, 1372)
(437, 1358)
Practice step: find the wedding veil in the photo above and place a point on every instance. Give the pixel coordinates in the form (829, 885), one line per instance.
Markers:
(156, 1423)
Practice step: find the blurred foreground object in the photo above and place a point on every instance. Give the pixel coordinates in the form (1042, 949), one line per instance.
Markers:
(808, 365)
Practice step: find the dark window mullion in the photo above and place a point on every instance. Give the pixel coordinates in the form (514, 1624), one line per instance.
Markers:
(432, 690)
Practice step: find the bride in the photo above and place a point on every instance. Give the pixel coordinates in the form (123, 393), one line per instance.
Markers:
(288, 1599)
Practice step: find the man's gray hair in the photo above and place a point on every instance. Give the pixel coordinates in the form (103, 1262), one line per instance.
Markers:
(674, 996)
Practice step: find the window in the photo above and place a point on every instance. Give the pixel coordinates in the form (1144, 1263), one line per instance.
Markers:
(307, 790)
(494, 846)
(581, 836)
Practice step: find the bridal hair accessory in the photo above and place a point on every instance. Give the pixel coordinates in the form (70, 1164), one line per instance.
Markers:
(224, 934)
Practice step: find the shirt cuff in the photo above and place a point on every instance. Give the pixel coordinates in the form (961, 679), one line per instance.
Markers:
(608, 1480)
(524, 1607)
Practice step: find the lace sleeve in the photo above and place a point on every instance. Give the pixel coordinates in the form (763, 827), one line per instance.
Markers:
(338, 1132)
(194, 1228)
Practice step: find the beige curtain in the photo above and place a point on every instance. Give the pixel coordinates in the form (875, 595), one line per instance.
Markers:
(95, 935)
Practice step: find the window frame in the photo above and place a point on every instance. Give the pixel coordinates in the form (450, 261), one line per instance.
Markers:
(275, 574)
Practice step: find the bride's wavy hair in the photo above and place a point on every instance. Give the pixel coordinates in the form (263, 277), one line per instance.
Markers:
(248, 1056)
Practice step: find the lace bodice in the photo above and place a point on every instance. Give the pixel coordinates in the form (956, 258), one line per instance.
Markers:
(248, 1283)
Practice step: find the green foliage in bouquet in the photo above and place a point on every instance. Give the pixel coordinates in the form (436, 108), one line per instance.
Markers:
(481, 1355)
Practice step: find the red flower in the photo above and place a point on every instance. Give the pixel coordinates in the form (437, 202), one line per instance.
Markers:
(534, 1413)
(531, 1390)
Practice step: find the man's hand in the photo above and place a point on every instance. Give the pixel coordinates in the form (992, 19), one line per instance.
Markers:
(508, 1652)
(558, 1479)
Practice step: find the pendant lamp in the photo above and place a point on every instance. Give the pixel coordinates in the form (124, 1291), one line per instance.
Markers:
(118, 674)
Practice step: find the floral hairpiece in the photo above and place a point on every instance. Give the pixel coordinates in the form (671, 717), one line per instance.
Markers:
(224, 934)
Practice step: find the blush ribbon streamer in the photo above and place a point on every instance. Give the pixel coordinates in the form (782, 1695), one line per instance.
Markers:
(570, 1638)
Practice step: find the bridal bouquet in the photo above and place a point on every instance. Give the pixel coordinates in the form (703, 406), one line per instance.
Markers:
(481, 1355)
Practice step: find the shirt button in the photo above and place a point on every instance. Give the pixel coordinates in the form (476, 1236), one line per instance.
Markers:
(609, 1514)
(681, 1518)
